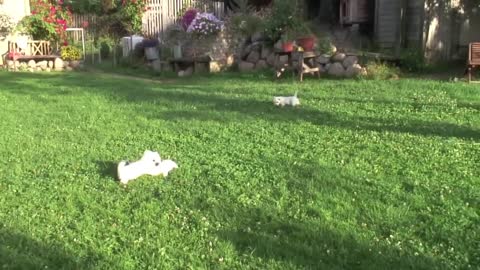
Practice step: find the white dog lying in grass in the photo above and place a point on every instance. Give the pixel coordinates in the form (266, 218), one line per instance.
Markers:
(289, 101)
(150, 164)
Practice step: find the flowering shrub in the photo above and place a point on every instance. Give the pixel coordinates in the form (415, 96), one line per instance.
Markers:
(70, 52)
(132, 13)
(204, 25)
(48, 21)
(188, 17)
(6, 24)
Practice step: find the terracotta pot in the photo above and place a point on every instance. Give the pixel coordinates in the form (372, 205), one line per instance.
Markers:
(287, 46)
(306, 43)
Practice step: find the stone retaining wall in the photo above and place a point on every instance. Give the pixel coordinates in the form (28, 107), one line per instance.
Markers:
(46, 65)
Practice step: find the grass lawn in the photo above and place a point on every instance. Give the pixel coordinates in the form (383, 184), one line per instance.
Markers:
(364, 175)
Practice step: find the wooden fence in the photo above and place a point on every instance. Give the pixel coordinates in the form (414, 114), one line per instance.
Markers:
(161, 14)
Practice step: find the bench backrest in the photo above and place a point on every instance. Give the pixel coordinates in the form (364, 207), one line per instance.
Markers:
(34, 47)
(474, 53)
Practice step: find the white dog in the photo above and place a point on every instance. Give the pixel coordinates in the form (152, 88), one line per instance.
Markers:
(282, 101)
(150, 164)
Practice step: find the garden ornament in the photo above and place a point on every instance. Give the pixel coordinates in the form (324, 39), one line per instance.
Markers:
(150, 164)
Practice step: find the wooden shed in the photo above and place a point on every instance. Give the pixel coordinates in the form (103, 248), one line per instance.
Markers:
(439, 28)
(354, 11)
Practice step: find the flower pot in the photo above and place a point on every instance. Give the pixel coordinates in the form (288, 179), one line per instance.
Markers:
(287, 46)
(306, 43)
(151, 53)
(177, 51)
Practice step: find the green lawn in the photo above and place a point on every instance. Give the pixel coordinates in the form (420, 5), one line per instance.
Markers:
(364, 175)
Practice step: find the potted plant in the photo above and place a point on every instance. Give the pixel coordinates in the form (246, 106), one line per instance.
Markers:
(150, 45)
(6, 24)
(287, 41)
(305, 38)
(175, 37)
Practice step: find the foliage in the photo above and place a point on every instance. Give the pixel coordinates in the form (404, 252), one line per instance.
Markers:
(7, 24)
(326, 46)
(70, 53)
(381, 71)
(47, 22)
(283, 18)
(132, 13)
(205, 25)
(85, 6)
(245, 24)
(364, 175)
(175, 34)
(413, 60)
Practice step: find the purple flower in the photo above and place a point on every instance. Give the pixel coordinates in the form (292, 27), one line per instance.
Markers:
(188, 18)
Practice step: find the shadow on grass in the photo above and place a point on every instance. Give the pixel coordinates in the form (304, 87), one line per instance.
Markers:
(211, 106)
(310, 246)
(107, 169)
(320, 238)
(20, 252)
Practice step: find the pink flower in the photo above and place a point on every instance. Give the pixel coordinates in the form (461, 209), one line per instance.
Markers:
(85, 24)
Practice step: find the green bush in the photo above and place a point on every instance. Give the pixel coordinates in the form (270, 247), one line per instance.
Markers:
(70, 53)
(412, 60)
(381, 71)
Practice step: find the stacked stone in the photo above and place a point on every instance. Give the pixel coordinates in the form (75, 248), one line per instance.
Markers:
(46, 65)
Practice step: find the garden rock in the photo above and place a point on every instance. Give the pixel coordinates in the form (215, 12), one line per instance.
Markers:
(156, 65)
(336, 69)
(31, 69)
(42, 64)
(245, 66)
(230, 60)
(271, 59)
(10, 63)
(185, 73)
(265, 52)
(69, 68)
(323, 59)
(253, 57)
(48, 69)
(23, 65)
(246, 51)
(215, 66)
(350, 61)
(338, 57)
(258, 36)
(262, 64)
(353, 70)
(50, 64)
(32, 64)
(74, 64)
(257, 46)
(58, 63)
(278, 45)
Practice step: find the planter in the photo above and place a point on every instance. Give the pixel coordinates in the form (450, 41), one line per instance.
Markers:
(177, 51)
(287, 46)
(151, 53)
(307, 43)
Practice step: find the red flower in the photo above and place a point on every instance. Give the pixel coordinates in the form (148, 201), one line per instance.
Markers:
(52, 9)
(84, 24)
(60, 2)
(65, 43)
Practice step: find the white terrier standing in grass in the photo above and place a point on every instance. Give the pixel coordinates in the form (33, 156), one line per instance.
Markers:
(286, 101)
(150, 164)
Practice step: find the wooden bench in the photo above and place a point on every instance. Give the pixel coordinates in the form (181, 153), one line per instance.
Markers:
(35, 50)
(185, 62)
(473, 58)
